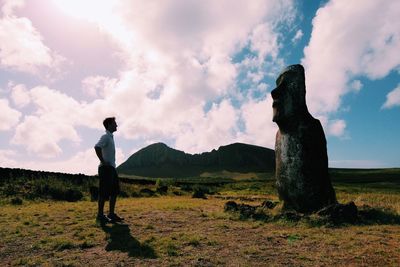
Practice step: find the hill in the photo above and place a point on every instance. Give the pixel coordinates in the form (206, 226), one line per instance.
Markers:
(159, 160)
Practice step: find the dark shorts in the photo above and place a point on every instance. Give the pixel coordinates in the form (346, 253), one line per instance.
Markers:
(108, 182)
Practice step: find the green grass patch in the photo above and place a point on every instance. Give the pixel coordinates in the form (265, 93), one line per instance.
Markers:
(170, 230)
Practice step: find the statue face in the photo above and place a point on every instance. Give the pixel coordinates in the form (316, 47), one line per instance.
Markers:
(282, 105)
(289, 96)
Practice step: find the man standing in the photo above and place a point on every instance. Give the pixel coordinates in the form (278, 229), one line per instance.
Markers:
(108, 177)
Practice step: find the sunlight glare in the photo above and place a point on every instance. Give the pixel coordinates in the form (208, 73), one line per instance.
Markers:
(100, 12)
(91, 10)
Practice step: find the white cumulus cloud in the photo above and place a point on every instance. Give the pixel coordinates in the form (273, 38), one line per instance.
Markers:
(259, 128)
(20, 95)
(53, 121)
(21, 45)
(336, 127)
(356, 85)
(84, 161)
(206, 132)
(297, 36)
(392, 98)
(179, 57)
(9, 117)
(178, 83)
(6, 158)
(98, 86)
(350, 38)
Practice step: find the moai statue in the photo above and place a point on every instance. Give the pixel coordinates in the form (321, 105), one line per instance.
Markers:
(302, 177)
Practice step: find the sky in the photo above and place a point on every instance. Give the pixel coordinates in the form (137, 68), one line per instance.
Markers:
(194, 75)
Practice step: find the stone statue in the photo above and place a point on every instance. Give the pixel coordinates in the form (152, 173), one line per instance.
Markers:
(302, 177)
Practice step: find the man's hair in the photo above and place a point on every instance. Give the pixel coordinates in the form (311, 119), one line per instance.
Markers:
(108, 121)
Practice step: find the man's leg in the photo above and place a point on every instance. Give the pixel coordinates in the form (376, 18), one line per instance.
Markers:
(114, 188)
(100, 210)
(113, 200)
(114, 217)
(102, 197)
(100, 213)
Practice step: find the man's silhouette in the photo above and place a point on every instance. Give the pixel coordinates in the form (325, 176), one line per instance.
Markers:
(108, 177)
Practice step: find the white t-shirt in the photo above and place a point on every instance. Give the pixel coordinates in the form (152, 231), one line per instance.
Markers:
(106, 143)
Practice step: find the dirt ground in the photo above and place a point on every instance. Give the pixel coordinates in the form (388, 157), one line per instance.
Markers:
(181, 231)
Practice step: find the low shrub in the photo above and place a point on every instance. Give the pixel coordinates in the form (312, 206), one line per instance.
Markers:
(200, 192)
(247, 211)
(123, 194)
(161, 186)
(16, 201)
(147, 192)
(55, 189)
(135, 194)
(186, 187)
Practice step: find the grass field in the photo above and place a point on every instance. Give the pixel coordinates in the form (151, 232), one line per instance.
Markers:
(174, 229)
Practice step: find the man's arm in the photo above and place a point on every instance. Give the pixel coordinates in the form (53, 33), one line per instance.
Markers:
(99, 154)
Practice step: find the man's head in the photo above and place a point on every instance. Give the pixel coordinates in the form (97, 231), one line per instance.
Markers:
(290, 95)
(110, 124)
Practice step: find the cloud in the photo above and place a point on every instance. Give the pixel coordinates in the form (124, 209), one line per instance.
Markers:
(336, 128)
(349, 39)
(392, 98)
(40, 135)
(84, 161)
(21, 45)
(54, 117)
(178, 81)
(257, 119)
(356, 85)
(179, 62)
(20, 95)
(206, 132)
(9, 117)
(98, 86)
(9, 5)
(264, 41)
(195, 73)
(297, 36)
(333, 127)
(6, 158)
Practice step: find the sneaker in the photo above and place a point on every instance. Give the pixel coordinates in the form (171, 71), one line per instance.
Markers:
(115, 218)
(103, 219)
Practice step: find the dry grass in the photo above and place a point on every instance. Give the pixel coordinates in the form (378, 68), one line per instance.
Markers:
(181, 231)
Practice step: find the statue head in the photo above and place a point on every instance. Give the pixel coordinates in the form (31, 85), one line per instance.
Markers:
(289, 96)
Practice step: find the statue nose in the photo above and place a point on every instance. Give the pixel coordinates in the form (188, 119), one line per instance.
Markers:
(275, 93)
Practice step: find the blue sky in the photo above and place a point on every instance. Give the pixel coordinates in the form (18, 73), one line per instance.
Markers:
(193, 74)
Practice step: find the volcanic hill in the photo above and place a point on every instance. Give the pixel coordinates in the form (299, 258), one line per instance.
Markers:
(159, 160)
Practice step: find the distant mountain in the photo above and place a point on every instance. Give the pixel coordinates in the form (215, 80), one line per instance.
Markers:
(159, 160)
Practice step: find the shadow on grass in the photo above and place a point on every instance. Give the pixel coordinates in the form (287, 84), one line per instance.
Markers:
(120, 238)
(365, 216)
(371, 215)
(339, 215)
